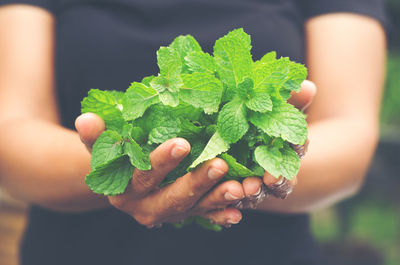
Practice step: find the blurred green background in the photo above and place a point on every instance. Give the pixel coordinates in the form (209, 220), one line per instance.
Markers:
(365, 230)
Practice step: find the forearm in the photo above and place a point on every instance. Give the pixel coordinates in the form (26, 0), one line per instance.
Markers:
(45, 164)
(339, 152)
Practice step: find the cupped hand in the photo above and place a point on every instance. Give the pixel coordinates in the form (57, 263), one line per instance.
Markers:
(278, 187)
(194, 194)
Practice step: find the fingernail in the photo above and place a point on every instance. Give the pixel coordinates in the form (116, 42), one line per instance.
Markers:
(258, 192)
(214, 173)
(178, 151)
(279, 182)
(233, 222)
(229, 197)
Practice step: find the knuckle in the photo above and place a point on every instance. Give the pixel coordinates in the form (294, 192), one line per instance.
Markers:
(117, 202)
(174, 203)
(146, 220)
(143, 180)
(200, 186)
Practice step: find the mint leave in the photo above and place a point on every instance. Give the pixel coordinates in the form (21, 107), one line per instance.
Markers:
(200, 62)
(290, 162)
(232, 122)
(169, 61)
(225, 104)
(283, 121)
(236, 170)
(271, 56)
(271, 76)
(136, 156)
(108, 146)
(106, 105)
(260, 101)
(269, 158)
(110, 178)
(233, 59)
(297, 74)
(202, 90)
(185, 45)
(137, 98)
(215, 146)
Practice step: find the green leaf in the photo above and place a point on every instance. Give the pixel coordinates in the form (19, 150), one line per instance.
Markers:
(185, 45)
(169, 62)
(290, 162)
(259, 101)
(297, 74)
(205, 223)
(138, 97)
(270, 76)
(110, 178)
(105, 104)
(169, 98)
(233, 59)
(189, 130)
(161, 124)
(186, 111)
(137, 158)
(168, 89)
(269, 158)
(201, 62)
(107, 147)
(215, 146)
(163, 132)
(162, 83)
(283, 121)
(232, 122)
(202, 90)
(118, 97)
(236, 170)
(146, 80)
(244, 89)
(269, 57)
(138, 134)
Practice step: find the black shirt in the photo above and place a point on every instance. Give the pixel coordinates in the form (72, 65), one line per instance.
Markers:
(109, 43)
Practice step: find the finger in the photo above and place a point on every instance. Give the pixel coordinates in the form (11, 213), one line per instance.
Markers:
(220, 197)
(226, 217)
(252, 186)
(181, 195)
(89, 127)
(301, 150)
(279, 187)
(163, 159)
(303, 99)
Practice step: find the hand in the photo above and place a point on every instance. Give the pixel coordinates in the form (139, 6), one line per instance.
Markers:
(192, 194)
(280, 187)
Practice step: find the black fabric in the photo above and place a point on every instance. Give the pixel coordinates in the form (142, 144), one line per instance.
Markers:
(111, 237)
(371, 8)
(108, 44)
(49, 5)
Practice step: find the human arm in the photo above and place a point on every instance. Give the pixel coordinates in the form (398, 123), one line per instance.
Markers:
(43, 163)
(40, 161)
(345, 58)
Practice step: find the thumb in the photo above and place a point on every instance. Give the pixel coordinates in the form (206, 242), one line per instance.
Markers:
(89, 127)
(303, 99)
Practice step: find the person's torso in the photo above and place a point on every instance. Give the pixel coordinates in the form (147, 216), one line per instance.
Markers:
(107, 44)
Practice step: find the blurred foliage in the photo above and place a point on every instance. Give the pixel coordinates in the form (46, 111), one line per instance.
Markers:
(390, 112)
(373, 224)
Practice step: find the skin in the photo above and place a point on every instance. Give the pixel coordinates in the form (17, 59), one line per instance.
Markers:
(344, 51)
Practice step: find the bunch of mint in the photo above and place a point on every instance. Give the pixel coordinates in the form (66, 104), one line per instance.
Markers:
(225, 105)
